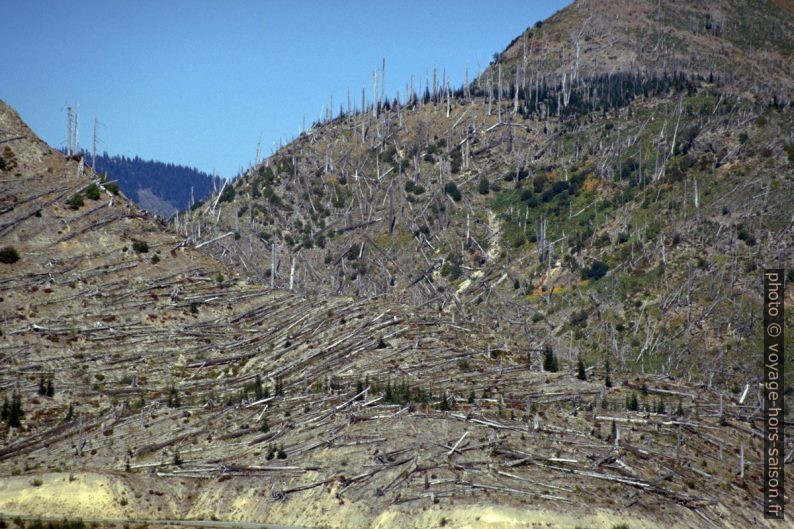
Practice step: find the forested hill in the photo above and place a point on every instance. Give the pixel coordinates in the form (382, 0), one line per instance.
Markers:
(159, 187)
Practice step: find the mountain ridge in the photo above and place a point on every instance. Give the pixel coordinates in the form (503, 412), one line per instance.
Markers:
(618, 193)
(489, 311)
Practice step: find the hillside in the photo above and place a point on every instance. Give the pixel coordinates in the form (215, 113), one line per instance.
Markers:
(493, 309)
(158, 187)
(624, 217)
(156, 384)
(745, 43)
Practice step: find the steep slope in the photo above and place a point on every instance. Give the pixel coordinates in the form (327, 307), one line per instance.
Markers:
(622, 216)
(156, 384)
(747, 43)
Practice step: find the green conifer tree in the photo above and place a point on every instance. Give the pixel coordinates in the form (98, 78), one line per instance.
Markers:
(581, 374)
(632, 404)
(15, 414)
(549, 360)
(444, 404)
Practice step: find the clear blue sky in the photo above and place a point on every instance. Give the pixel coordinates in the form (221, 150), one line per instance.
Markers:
(198, 82)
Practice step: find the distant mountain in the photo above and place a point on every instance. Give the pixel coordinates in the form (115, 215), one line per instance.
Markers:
(158, 187)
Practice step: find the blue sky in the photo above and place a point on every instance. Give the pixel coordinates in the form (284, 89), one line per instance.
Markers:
(197, 82)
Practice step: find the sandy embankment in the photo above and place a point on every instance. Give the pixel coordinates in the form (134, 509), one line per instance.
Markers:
(96, 496)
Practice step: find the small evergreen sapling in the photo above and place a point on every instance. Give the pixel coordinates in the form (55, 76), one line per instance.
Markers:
(550, 360)
(581, 374)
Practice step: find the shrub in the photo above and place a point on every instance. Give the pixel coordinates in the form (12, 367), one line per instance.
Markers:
(744, 235)
(484, 187)
(228, 194)
(76, 202)
(9, 255)
(8, 161)
(790, 152)
(452, 190)
(140, 246)
(92, 192)
(173, 398)
(578, 318)
(352, 252)
(452, 267)
(559, 186)
(596, 271)
(528, 196)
